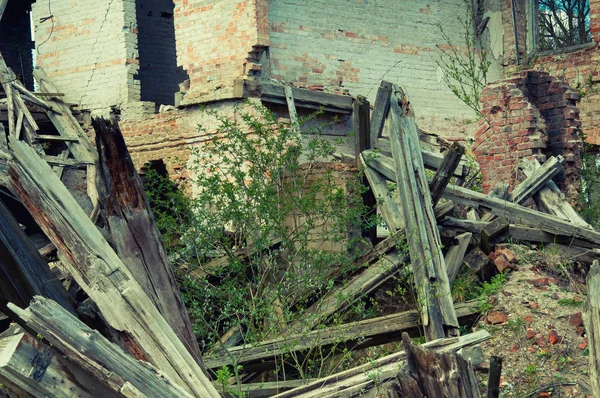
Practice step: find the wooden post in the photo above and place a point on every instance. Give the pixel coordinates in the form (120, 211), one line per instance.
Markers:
(493, 390)
(591, 320)
(134, 233)
(380, 110)
(427, 261)
(362, 137)
(444, 173)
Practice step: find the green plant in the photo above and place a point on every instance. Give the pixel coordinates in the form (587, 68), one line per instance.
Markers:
(465, 65)
(271, 226)
(570, 302)
(589, 191)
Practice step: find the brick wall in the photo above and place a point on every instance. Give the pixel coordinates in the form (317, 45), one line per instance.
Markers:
(90, 51)
(530, 115)
(217, 42)
(159, 75)
(15, 40)
(578, 66)
(351, 45)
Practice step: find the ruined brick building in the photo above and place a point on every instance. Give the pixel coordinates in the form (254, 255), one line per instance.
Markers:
(131, 56)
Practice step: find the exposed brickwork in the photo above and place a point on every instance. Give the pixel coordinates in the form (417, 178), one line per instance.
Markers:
(90, 53)
(217, 42)
(531, 115)
(579, 67)
(159, 75)
(352, 45)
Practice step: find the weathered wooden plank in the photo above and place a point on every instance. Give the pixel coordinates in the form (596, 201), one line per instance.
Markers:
(518, 214)
(431, 160)
(24, 273)
(455, 255)
(443, 175)
(537, 179)
(19, 123)
(47, 137)
(494, 377)
(29, 96)
(366, 333)
(467, 225)
(302, 97)
(30, 368)
(3, 142)
(99, 271)
(93, 352)
(591, 320)
(3, 4)
(263, 390)
(340, 299)
(134, 234)
(386, 204)
(60, 161)
(427, 261)
(380, 110)
(453, 375)
(289, 98)
(551, 199)
(20, 105)
(385, 368)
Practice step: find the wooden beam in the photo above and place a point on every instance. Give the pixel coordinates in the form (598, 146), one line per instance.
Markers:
(385, 368)
(427, 261)
(99, 270)
(289, 98)
(90, 350)
(537, 179)
(380, 111)
(518, 214)
(358, 335)
(444, 173)
(455, 255)
(134, 233)
(591, 320)
(271, 92)
(386, 205)
(30, 368)
(3, 4)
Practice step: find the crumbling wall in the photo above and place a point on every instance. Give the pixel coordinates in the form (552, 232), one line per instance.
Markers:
(159, 75)
(218, 42)
(530, 115)
(89, 50)
(578, 65)
(354, 45)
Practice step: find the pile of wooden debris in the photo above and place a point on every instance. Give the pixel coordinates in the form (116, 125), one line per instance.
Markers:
(97, 311)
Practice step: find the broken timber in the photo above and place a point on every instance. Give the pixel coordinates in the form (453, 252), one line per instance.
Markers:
(444, 172)
(135, 236)
(100, 272)
(93, 352)
(427, 262)
(537, 179)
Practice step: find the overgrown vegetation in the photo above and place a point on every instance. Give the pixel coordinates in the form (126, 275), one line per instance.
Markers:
(284, 225)
(465, 64)
(589, 191)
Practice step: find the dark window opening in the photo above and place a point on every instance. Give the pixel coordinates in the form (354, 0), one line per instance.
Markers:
(15, 40)
(563, 23)
(159, 74)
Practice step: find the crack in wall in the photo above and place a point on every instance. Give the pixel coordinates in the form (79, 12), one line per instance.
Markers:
(87, 86)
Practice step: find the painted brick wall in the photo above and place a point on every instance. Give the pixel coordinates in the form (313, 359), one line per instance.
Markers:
(578, 66)
(15, 40)
(217, 42)
(354, 44)
(530, 115)
(159, 75)
(90, 50)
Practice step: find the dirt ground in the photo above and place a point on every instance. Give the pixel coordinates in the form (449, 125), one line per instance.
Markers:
(537, 328)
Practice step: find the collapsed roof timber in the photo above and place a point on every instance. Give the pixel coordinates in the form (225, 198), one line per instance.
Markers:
(106, 318)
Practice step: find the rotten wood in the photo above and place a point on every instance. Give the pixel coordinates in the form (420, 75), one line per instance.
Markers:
(427, 261)
(537, 179)
(30, 368)
(591, 320)
(429, 374)
(550, 198)
(3, 4)
(355, 335)
(386, 204)
(91, 351)
(494, 374)
(455, 256)
(386, 368)
(134, 233)
(289, 98)
(99, 270)
(444, 173)
(380, 111)
(492, 233)
(518, 214)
